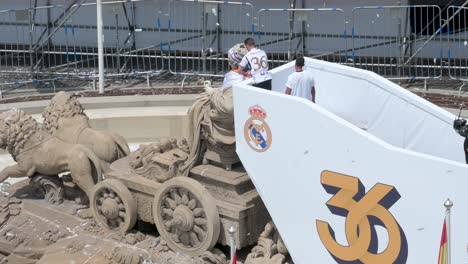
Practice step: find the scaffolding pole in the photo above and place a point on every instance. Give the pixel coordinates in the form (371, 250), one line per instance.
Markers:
(100, 39)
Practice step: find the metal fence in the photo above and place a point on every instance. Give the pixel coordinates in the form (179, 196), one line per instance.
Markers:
(301, 31)
(457, 30)
(26, 50)
(191, 37)
(198, 44)
(122, 31)
(394, 41)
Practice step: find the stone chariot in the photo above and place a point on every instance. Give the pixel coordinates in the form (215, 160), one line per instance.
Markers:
(192, 209)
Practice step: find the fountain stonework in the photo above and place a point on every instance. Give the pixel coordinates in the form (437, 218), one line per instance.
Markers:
(191, 198)
(85, 185)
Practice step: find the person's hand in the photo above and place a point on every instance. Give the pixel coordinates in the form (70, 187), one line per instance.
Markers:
(248, 75)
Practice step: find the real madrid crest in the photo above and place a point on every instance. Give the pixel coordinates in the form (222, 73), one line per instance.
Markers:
(256, 131)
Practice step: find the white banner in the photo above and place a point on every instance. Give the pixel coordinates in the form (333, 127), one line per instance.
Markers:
(381, 107)
(339, 194)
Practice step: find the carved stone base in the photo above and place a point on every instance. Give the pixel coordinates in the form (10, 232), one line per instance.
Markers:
(215, 256)
(224, 155)
(270, 248)
(239, 205)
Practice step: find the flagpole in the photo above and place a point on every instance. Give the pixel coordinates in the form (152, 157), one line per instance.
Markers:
(448, 206)
(232, 231)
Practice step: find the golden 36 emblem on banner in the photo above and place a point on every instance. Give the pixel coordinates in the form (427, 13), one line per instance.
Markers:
(363, 211)
(256, 130)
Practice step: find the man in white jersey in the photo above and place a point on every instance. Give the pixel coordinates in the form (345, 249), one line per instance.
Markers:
(257, 59)
(235, 56)
(301, 83)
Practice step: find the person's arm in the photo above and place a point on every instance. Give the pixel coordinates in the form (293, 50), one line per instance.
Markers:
(242, 65)
(313, 94)
(289, 85)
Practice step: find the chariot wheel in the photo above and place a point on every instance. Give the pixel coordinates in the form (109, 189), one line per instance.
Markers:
(186, 216)
(113, 206)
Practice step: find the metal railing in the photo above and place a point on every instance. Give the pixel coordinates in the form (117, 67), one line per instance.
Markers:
(191, 37)
(457, 30)
(26, 50)
(385, 40)
(301, 31)
(133, 45)
(202, 32)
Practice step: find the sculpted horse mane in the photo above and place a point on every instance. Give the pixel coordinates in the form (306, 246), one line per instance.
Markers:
(20, 127)
(61, 106)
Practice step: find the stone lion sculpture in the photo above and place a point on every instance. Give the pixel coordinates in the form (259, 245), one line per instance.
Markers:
(38, 152)
(65, 119)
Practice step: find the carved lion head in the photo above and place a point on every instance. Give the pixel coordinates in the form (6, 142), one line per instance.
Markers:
(63, 105)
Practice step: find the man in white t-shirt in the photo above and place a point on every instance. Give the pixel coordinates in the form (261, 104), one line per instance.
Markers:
(257, 59)
(234, 76)
(231, 78)
(301, 83)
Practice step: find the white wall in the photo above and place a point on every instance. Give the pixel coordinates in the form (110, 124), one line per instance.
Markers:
(381, 107)
(307, 140)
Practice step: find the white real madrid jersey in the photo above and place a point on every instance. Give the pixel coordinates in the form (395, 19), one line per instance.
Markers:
(258, 61)
(232, 78)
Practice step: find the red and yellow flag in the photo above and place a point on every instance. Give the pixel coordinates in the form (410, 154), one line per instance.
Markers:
(443, 246)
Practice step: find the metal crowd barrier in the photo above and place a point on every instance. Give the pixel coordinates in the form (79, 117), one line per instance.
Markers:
(284, 33)
(202, 32)
(132, 45)
(457, 30)
(26, 45)
(398, 42)
(192, 37)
